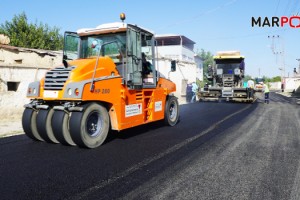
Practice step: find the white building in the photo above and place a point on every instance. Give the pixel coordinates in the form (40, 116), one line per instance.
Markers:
(189, 66)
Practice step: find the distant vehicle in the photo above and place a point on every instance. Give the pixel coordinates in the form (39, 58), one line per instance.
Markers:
(259, 84)
(227, 75)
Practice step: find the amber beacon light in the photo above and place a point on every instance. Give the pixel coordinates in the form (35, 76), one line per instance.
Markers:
(122, 16)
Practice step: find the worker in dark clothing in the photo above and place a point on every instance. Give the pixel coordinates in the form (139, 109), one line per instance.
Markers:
(147, 66)
(242, 68)
(266, 91)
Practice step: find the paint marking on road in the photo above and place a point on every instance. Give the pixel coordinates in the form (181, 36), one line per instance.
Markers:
(146, 162)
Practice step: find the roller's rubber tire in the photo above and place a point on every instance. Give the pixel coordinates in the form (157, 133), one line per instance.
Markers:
(171, 111)
(60, 127)
(29, 124)
(43, 119)
(90, 127)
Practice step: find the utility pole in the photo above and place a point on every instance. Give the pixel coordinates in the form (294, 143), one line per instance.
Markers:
(279, 52)
(298, 73)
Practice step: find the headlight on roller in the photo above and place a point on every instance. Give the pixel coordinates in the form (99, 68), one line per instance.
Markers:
(69, 91)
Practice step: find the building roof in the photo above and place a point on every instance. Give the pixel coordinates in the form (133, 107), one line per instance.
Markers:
(41, 52)
(173, 39)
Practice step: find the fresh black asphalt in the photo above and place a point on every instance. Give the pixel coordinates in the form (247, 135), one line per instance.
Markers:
(216, 151)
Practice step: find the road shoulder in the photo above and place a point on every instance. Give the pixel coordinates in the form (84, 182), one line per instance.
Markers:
(10, 127)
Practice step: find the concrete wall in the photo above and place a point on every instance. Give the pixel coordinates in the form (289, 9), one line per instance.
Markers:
(170, 52)
(21, 66)
(275, 85)
(11, 102)
(292, 84)
(176, 52)
(187, 55)
(24, 57)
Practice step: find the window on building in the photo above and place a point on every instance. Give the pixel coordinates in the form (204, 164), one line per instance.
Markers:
(12, 85)
(18, 61)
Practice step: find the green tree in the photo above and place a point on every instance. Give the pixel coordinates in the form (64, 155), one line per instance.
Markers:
(36, 36)
(266, 79)
(247, 78)
(207, 58)
(276, 79)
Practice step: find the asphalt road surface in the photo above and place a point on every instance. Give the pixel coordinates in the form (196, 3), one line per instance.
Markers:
(216, 151)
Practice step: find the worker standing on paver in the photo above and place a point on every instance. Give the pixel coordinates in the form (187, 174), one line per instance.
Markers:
(266, 91)
(250, 86)
(250, 83)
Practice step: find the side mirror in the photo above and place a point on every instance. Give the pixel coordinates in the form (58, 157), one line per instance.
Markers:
(64, 61)
(66, 64)
(173, 65)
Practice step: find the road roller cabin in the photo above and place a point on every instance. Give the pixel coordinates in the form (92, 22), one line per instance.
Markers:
(108, 80)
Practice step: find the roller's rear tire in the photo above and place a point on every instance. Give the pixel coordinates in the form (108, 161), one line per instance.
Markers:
(43, 119)
(60, 127)
(29, 124)
(171, 111)
(90, 127)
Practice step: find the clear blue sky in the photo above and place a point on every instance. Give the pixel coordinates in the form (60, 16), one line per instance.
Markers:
(214, 25)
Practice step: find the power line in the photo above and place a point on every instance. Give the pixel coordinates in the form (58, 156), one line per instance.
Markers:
(277, 7)
(292, 8)
(296, 8)
(278, 50)
(287, 8)
(192, 19)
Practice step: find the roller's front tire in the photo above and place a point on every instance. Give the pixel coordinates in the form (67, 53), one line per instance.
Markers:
(44, 127)
(29, 124)
(60, 127)
(90, 127)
